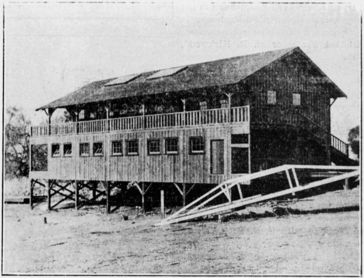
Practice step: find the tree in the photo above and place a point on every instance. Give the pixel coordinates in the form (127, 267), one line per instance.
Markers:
(16, 143)
(354, 140)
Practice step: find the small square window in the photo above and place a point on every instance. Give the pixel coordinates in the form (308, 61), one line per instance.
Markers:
(271, 97)
(56, 150)
(97, 149)
(197, 145)
(172, 146)
(296, 99)
(84, 149)
(67, 149)
(239, 138)
(154, 146)
(203, 105)
(117, 148)
(224, 103)
(132, 147)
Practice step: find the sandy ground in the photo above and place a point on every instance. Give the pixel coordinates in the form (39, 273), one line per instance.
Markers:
(320, 236)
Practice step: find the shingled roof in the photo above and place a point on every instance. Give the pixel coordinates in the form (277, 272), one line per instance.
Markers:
(202, 75)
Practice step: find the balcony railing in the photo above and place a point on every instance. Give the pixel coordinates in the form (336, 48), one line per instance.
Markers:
(179, 119)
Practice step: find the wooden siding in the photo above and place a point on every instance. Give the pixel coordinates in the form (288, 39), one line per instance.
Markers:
(274, 145)
(293, 74)
(183, 167)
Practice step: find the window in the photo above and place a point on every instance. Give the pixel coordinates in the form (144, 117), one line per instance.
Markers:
(197, 145)
(271, 97)
(132, 147)
(56, 150)
(296, 99)
(117, 148)
(81, 116)
(67, 149)
(84, 149)
(224, 103)
(172, 146)
(239, 138)
(203, 105)
(154, 146)
(97, 149)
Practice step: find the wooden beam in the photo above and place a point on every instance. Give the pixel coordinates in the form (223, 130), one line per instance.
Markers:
(162, 205)
(240, 192)
(179, 189)
(49, 188)
(289, 181)
(190, 189)
(295, 177)
(108, 205)
(137, 186)
(346, 184)
(184, 193)
(143, 193)
(76, 195)
(31, 193)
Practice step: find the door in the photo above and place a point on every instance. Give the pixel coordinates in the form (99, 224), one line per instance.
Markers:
(217, 156)
(239, 160)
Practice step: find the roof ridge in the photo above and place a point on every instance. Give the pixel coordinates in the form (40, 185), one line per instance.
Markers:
(207, 62)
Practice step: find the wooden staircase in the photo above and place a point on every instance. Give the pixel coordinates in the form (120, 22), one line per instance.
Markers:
(339, 150)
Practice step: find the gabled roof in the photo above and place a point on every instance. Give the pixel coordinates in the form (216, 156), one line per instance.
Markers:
(202, 75)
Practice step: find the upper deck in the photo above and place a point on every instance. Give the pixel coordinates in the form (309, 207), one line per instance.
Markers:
(234, 115)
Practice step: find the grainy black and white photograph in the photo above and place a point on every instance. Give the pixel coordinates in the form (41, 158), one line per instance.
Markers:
(181, 138)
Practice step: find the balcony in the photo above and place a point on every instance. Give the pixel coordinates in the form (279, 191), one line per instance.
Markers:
(170, 120)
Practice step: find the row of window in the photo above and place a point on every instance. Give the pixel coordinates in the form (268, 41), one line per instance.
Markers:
(272, 98)
(197, 146)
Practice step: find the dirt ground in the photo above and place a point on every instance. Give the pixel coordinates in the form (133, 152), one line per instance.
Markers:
(320, 235)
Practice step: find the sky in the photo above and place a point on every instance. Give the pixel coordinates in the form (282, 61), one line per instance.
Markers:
(53, 49)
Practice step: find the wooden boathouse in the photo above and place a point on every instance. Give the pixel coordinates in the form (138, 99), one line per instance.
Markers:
(193, 125)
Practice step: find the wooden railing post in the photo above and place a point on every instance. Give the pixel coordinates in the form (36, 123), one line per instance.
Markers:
(184, 112)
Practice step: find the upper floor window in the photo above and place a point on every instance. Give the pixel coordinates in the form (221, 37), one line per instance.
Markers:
(172, 145)
(203, 105)
(197, 145)
(56, 150)
(132, 147)
(154, 146)
(271, 97)
(84, 149)
(224, 103)
(97, 149)
(67, 149)
(117, 148)
(296, 99)
(81, 116)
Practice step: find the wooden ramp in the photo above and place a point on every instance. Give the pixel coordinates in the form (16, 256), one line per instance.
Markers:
(200, 207)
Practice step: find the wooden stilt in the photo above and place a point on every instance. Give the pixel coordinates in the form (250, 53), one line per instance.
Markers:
(143, 193)
(76, 195)
(94, 185)
(107, 187)
(49, 194)
(31, 194)
(184, 193)
(346, 184)
(162, 204)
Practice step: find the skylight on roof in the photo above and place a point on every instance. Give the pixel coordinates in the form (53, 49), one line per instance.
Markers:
(122, 79)
(166, 72)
